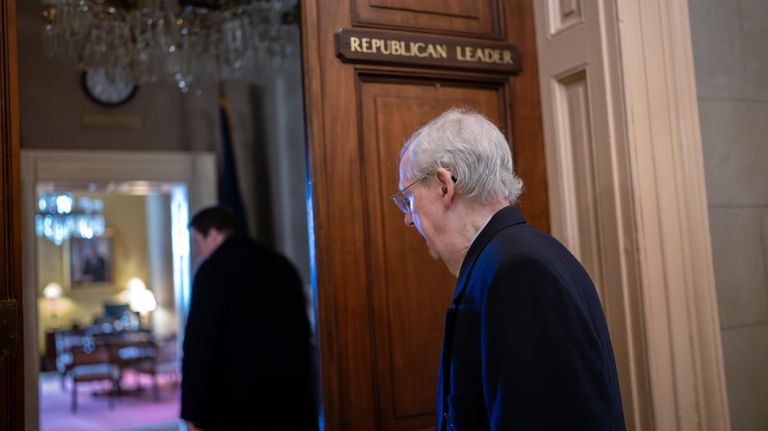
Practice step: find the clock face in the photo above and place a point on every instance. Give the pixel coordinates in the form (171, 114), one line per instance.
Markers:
(107, 90)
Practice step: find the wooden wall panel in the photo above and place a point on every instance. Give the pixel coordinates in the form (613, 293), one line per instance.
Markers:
(409, 290)
(11, 367)
(476, 18)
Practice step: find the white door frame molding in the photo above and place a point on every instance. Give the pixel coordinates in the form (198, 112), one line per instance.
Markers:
(626, 180)
(683, 330)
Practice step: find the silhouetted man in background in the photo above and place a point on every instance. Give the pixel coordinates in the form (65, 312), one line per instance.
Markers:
(247, 362)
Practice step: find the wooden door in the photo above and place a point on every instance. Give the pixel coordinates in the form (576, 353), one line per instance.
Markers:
(381, 298)
(11, 354)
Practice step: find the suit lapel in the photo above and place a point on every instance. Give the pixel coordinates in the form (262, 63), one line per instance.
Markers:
(505, 217)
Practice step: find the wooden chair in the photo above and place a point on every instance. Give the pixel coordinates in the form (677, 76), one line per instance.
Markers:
(65, 341)
(164, 361)
(89, 364)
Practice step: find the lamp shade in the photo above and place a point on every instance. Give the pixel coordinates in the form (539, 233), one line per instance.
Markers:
(142, 301)
(52, 290)
(136, 284)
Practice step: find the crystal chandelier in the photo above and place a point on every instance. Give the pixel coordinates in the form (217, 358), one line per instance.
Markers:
(182, 41)
(58, 218)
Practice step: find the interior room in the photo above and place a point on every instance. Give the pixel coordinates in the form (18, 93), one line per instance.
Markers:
(107, 307)
(114, 166)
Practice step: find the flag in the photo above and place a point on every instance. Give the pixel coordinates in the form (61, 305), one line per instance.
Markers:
(229, 188)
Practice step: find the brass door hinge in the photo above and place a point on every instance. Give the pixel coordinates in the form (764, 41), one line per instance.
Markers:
(9, 331)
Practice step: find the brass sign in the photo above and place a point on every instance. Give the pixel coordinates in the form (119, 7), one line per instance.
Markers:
(409, 49)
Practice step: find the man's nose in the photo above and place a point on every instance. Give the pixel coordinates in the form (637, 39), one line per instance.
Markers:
(408, 219)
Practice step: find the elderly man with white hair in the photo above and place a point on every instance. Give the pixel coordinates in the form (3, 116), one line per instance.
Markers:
(526, 345)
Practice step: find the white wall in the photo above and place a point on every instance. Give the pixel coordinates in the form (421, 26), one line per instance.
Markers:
(730, 41)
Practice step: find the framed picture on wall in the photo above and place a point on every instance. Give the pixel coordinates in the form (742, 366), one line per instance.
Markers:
(91, 261)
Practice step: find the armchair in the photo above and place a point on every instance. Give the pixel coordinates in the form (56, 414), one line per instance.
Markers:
(90, 363)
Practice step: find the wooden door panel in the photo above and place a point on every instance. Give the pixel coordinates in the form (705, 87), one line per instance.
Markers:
(478, 18)
(410, 291)
(460, 8)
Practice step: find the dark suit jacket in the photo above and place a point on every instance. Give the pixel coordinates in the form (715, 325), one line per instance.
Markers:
(526, 346)
(247, 362)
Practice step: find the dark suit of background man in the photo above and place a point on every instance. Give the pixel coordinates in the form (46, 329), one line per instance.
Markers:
(247, 362)
(526, 345)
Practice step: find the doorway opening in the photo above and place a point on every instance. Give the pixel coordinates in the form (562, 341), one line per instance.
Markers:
(109, 302)
(112, 311)
(160, 135)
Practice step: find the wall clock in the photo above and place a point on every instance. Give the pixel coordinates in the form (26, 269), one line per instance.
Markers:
(107, 90)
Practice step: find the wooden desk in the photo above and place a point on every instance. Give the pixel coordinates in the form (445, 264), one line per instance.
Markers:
(49, 354)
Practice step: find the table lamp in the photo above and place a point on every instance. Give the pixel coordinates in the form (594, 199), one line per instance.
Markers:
(52, 298)
(141, 299)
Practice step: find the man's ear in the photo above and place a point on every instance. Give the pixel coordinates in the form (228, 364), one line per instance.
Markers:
(447, 185)
(214, 235)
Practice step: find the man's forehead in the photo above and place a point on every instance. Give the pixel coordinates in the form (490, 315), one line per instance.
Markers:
(404, 165)
(405, 161)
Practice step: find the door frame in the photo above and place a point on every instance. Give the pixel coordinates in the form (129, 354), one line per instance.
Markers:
(671, 220)
(12, 367)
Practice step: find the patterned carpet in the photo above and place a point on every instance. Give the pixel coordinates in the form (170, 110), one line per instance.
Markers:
(134, 412)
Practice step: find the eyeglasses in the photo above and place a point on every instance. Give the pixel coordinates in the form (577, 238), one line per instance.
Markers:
(403, 201)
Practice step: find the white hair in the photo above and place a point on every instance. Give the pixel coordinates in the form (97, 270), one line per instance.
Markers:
(472, 148)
